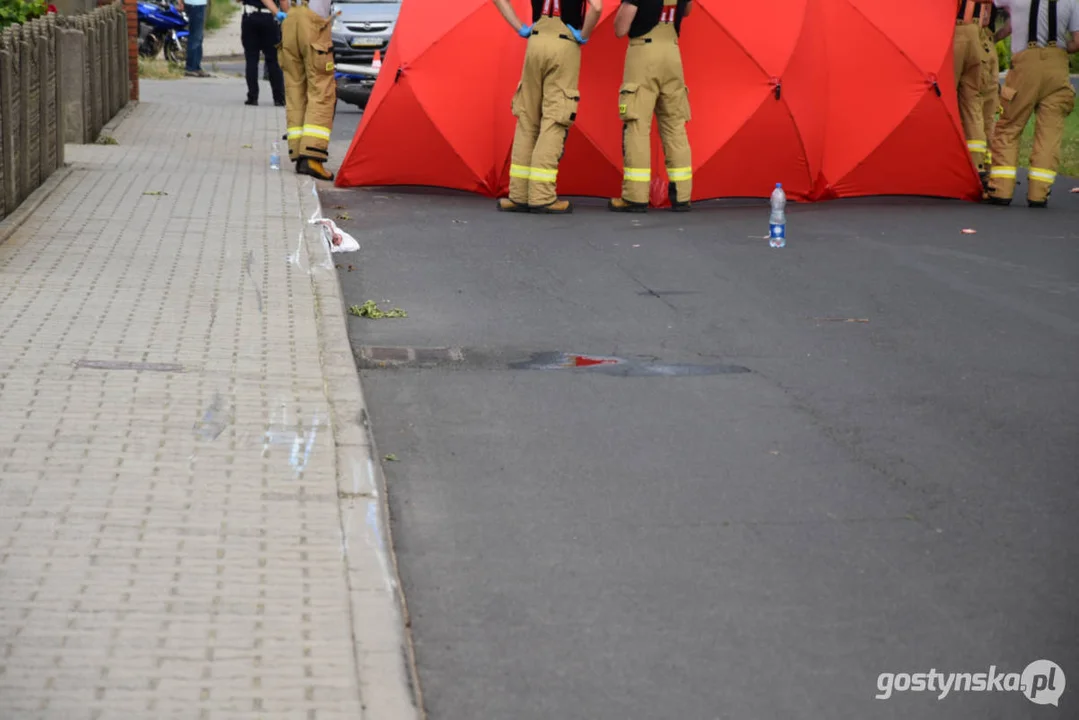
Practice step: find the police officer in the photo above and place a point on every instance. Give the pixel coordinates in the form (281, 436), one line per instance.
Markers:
(653, 82)
(546, 99)
(1037, 83)
(260, 34)
(972, 70)
(310, 89)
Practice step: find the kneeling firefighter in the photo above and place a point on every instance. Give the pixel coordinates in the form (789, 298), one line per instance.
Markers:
(653, 82)
(310, 90)
(545, 103)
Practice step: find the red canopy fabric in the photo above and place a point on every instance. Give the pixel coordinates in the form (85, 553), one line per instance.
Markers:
(833, 98)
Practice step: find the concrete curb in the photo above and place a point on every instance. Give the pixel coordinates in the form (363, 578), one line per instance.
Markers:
(389, 688)
(33, 201)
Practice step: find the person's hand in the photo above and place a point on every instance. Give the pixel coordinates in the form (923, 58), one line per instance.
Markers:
(281, 15)
(577, 35)
(524, 31)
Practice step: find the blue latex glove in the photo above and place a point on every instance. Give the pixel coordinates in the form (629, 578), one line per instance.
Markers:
(577, 35)
(281, 15)
(524, 31)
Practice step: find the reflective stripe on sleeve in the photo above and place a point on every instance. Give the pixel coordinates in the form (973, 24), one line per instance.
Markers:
(638, 174)
(1002, 171)
(521, 172)
(976, 145)
(295, 132)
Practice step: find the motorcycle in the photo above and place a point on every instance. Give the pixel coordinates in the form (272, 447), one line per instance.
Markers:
(162, 26)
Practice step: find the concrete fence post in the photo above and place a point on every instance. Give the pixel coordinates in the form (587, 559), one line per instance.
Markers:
(8, 199)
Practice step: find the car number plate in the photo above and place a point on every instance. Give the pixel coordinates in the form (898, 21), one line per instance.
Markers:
(366, 42)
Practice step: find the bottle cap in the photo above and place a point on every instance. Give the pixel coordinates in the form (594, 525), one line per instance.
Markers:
(779, 185)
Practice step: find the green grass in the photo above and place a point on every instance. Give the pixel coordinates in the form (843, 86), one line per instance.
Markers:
(159, 69)
(1069, 146)
(219, 12)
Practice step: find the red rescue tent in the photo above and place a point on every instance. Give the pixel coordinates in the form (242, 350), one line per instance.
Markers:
(833, 98)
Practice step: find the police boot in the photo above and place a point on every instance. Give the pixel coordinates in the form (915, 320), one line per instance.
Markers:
(507, 205)
(314, 168)
(620, 205)
(558, 207)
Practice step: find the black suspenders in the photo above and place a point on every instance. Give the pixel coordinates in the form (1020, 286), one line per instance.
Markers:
(1032, 29)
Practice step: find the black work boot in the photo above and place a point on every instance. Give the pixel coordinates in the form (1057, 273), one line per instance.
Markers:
(620, 205)
(314, 168)
(672, 195)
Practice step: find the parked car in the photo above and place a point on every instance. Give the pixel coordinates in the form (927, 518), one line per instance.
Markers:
(363, 27)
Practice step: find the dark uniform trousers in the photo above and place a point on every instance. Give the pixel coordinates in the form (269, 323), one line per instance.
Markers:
(260, 34)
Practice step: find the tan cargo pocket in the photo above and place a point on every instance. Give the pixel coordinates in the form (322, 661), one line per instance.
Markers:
(568, 112)
(687, 114)
(628, 102)
(515, 104)
(1007, 93)
(323, 55)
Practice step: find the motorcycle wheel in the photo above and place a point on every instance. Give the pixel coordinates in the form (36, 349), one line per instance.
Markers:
(176, 51)
(150, 46)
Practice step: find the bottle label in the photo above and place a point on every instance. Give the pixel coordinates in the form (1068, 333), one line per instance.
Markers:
(777, 231)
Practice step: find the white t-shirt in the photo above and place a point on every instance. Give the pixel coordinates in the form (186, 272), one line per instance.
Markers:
(321, 7)
(1067, 21)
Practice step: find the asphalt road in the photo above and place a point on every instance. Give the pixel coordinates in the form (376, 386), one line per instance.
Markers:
(880, 475)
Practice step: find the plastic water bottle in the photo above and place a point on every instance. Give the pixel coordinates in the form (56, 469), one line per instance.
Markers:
(275, 157)
(777, 224)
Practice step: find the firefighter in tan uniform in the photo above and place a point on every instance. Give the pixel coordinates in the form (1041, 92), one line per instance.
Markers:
(990, 97)
(1037, 83)
(972, 71)
(306, 54)
(653, 83)
(545, 102)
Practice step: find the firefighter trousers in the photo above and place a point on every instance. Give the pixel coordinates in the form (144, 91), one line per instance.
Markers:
(310, 90)
(1037, 83)
(990, 93)
(653, 83)
(545, 105)
(971, 77)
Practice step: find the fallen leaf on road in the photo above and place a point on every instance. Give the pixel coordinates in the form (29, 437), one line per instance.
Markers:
(969, 231)
(351, 268)
(247, 147)
(342, 216)
(773, 452)
(390, 458)
(636, 246)
(461, 222)
(154, 192)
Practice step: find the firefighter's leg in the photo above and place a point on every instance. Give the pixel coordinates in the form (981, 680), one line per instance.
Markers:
(1018, 97)
(292, 65)
(672, 113)
(971, 82)
(636, 104)
(527, 107)
(560, 100)
(1052, 112)
(321, 98)
(990, 101)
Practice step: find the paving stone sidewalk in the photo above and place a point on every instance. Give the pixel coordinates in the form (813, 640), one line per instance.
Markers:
(188, 527)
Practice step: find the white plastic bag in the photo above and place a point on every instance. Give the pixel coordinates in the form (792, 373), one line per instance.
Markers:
(338, 239)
